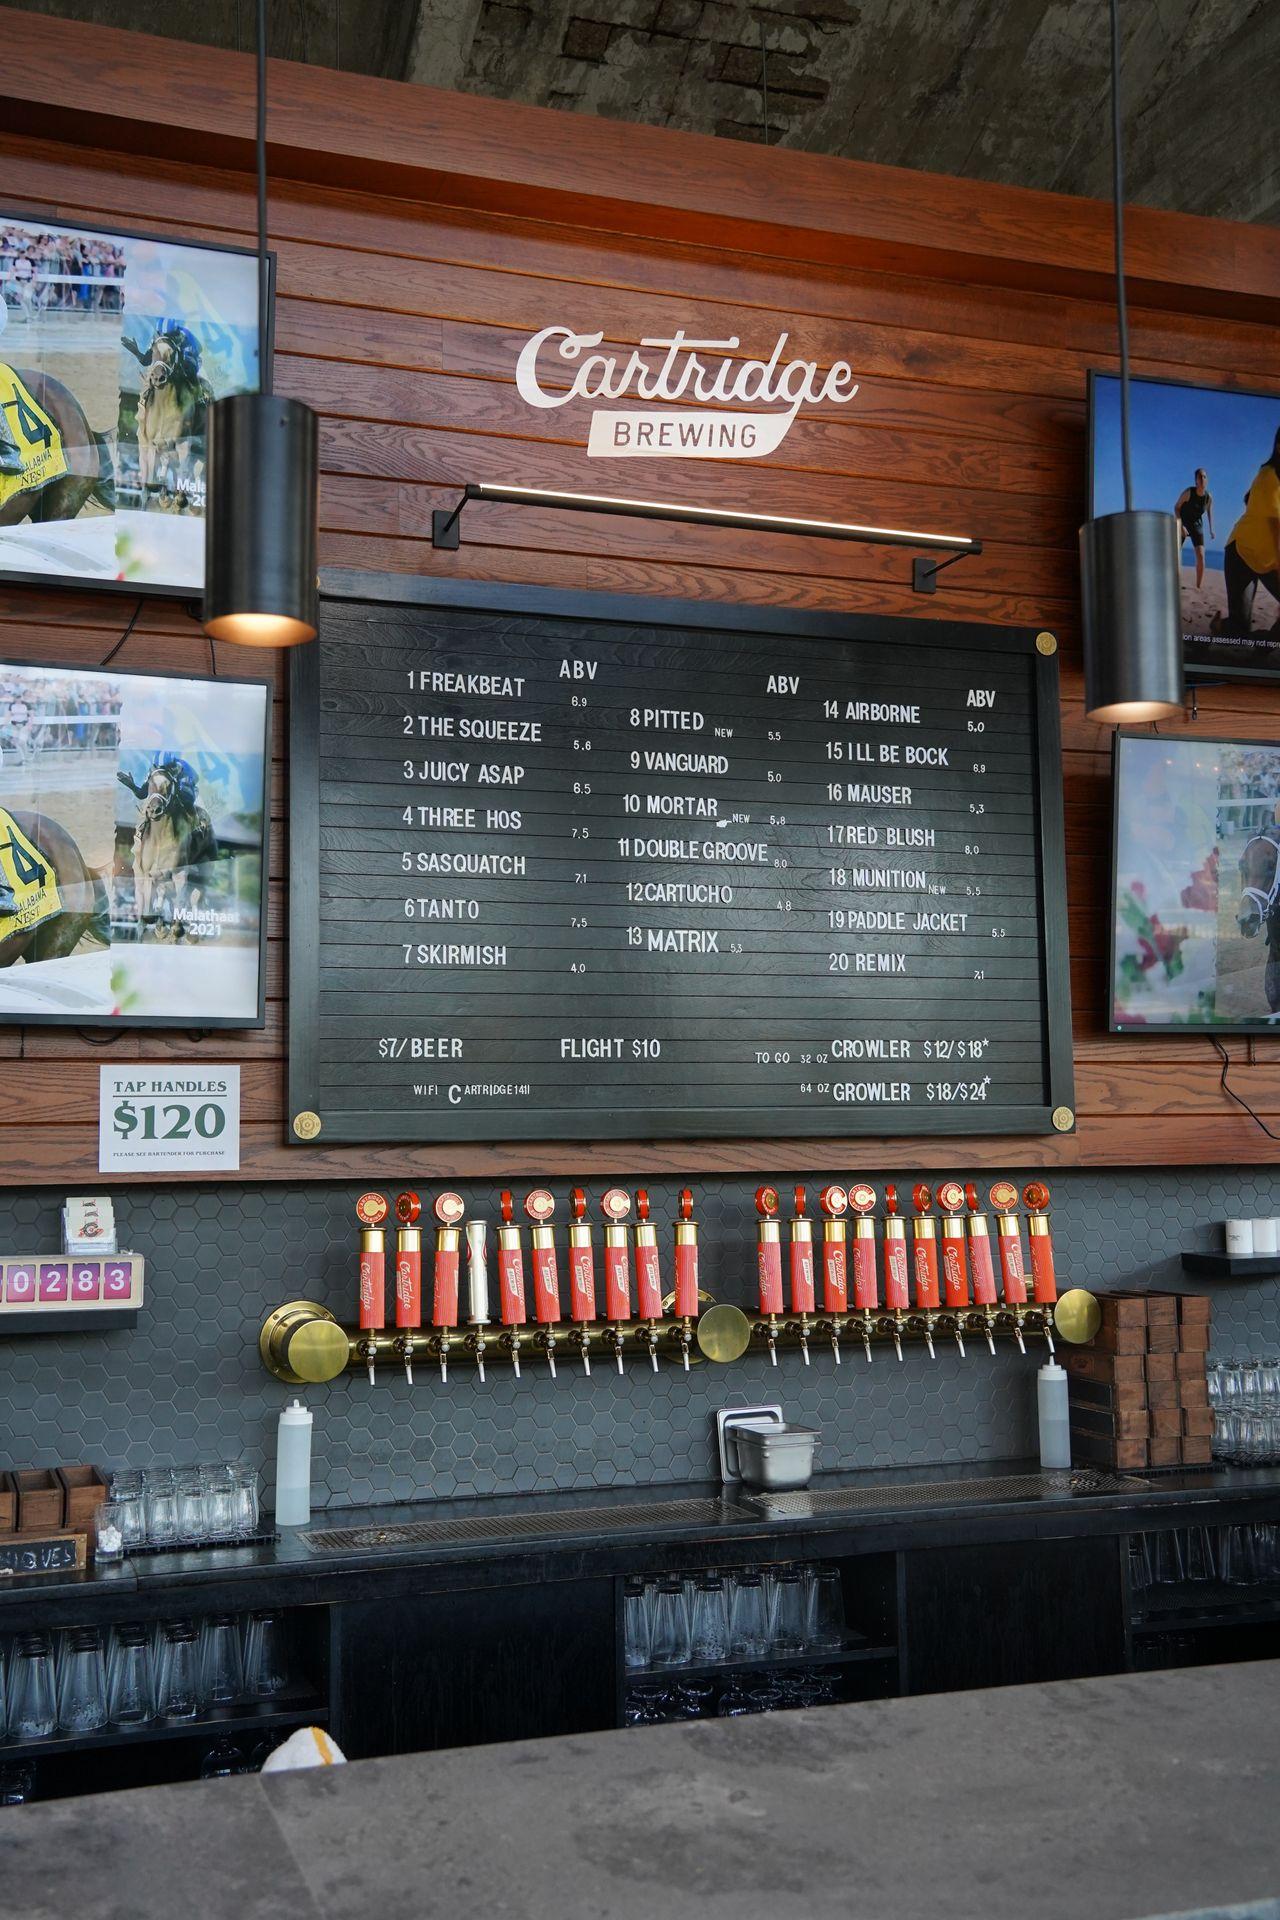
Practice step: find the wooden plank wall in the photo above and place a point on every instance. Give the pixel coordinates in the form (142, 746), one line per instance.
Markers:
(400, 323)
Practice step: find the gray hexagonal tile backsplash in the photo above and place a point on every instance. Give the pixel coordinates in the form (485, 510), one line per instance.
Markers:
(188, 1385)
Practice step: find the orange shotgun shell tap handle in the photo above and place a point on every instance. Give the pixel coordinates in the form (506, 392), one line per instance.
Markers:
(507, 1204)
(449, 1208)
(540, 1205)
(578, 1203)
(408, 1208)
(766, 1202)
(950, 1196)
(642, 1203)
(971, 1197)
(921, 1198)
(891, 1199)
(833, 1201)
(615, 1204)
(799, 1201)
(862, 1198)
(1035, 1197)
(686, 1203)
(1004, 1196)
(372, 1209)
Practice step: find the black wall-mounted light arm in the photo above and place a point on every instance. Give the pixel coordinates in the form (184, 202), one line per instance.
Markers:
(446, 526)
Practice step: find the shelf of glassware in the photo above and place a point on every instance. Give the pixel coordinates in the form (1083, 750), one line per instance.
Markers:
(281, 1714)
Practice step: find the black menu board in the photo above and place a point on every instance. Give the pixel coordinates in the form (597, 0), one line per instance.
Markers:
(576, 866)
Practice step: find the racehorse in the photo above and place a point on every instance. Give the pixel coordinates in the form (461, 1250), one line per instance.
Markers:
(1260, 902)
(172, 836)
(173, 399)
(85, 908)
(90, 471)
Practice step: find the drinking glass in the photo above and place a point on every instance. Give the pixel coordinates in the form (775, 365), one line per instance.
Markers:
(266, 1666)
(787, 1615)
(734, 1701)
(189, 1487)
(82, 1683)
(17, 1786)
(223, 1668)
(646, 1704)
(1141, 1575)
(669, 1646)
(161, 1501)
(130, 1695)
(635, 1626)
(692, 1699)
(130, 1508)
(1167, 1567)
(765, 1696)
(748, 1617)
(827, 1620)
(244, 1481)
(108, 1541)
(178, 1682)
(709, 1638)
(1236, 1556)
(1201, 1563)
(219, 1502)
(33, 1711)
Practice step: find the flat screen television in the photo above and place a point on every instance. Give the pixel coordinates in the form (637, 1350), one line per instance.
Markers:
(133, 844)
(1210, 455)
(1195, 924)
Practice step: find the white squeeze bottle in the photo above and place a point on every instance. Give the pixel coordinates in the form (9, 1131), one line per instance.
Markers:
(293, 1466)
(1055, 1424)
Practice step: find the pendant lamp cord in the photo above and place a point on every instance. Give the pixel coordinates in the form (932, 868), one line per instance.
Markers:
(264, 369)
(1117, 194)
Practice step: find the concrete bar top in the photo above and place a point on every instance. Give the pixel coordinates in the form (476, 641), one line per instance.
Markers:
(1106, 1799)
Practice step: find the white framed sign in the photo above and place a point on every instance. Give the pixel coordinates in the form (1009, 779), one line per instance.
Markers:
(168, 1119)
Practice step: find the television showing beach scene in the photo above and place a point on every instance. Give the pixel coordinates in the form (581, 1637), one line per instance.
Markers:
(1211, 457)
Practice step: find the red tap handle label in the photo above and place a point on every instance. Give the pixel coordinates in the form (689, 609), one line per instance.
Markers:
(444, 1305)
(546, 1286)
(617, 1284)
(865, 1295)
(984, 1273)
(926, 1254)
(648, 1283)
(1043, 1279)
(582, 1283)
(955, 1272)
(835, 1277)
(373, 1286)
(770, 1277)
(897, 1293)
(511, 1286)
(409, 1287)
(802, 1295)
(1012, 1269)
(687, 1279)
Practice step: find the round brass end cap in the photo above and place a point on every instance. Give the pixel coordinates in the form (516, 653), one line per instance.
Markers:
(724, 1333)
(1077, 1316)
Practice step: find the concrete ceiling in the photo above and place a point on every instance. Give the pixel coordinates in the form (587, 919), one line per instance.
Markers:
(1002, 90)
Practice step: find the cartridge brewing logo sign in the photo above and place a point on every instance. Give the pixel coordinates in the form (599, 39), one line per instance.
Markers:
(744, 408)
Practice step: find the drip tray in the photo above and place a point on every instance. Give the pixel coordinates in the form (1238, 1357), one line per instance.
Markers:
(472, 1530)
(942, 1493)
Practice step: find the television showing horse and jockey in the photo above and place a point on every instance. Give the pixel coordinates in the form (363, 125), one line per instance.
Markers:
(1196, 913)
(132, 844)
(111, 349)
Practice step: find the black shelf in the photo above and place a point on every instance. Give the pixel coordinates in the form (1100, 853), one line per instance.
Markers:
(835, 1657)
(264, 1716)
(1231, 1266)
(1210, 1605)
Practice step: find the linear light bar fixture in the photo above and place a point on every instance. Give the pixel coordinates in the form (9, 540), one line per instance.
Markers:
(446, 527)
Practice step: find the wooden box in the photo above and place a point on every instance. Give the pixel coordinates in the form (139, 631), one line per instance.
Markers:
(1166, 1423)
(84, 1490)
(1198, 1421)
(1197, 1451)
(1104, 1451)
(8, 1503)
(1162, 1338)
(1120, 1339)
(1194, 1338)
(1120, 1423)
(39, 1499)
(1162, 1366)
(1114, 1369)
(1164, 1451)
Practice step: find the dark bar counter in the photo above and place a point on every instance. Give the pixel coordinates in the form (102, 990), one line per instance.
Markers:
(1092, 1797)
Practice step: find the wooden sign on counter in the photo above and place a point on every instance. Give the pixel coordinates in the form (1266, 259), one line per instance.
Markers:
(575, 866)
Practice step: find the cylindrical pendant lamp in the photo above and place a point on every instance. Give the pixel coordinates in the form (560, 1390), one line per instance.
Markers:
(260, 533)
(1132, 617)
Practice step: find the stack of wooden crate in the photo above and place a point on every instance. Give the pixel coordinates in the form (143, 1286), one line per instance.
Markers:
(1139, 1397)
